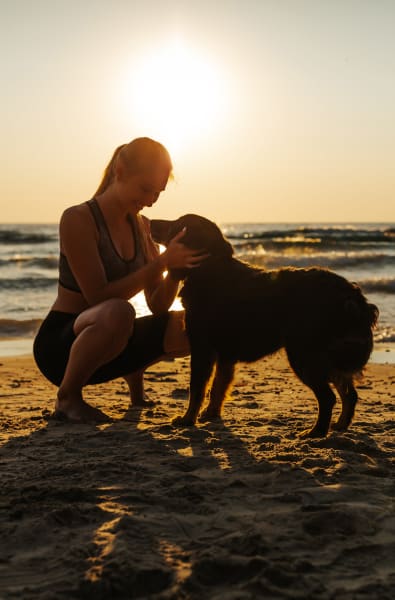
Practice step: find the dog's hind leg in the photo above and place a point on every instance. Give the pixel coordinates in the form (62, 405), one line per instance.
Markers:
(308, 367)
(349, 397)
(221, 384)
(326, 401)
(202, 364)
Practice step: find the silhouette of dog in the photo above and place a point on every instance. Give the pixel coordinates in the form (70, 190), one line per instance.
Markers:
(236, 312)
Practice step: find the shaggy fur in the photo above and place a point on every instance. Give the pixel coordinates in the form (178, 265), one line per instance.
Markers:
(236, 312)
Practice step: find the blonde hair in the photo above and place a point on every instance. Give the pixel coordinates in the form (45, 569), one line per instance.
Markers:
(136, 155)
(109, 172)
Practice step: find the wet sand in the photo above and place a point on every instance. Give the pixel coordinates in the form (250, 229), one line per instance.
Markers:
(240, 509)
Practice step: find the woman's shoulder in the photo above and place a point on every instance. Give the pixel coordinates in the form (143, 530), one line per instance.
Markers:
(76, 211)
(76, 217)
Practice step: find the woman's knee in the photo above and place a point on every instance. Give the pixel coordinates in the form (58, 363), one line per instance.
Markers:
(116, 315)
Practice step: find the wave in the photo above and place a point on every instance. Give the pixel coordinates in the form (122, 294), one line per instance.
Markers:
(384, 285)
(385, 335)
(41, 262)
(27, 283)
(310, 235)
(18, 236)
(14, 328)
(334, 260)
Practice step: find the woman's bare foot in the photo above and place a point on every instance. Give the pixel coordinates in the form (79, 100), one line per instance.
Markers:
(76, 410)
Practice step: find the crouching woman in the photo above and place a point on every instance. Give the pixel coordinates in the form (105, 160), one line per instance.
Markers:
(91, 334)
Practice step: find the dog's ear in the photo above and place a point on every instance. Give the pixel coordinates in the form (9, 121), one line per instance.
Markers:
(160, 230)
(221, 247)
(202, 234)
(215, 242)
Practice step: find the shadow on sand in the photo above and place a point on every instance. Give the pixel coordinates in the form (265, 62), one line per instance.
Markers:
(138, 509)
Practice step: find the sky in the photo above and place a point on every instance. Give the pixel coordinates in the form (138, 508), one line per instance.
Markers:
(273, 110)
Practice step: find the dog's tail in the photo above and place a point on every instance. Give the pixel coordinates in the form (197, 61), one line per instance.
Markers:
(353, 341)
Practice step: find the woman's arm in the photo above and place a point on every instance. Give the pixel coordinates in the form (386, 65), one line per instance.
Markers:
(78, 238)
(161, 294)
(161, 297)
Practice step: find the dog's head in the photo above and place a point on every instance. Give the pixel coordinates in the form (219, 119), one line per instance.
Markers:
(200, 234)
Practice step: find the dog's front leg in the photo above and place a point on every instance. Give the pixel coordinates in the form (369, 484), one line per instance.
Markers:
(202, 363)
(221, 385)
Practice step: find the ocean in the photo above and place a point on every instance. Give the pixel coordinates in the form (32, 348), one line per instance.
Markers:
(364, 253)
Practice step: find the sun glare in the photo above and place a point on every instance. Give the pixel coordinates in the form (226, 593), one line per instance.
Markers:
(177, 95)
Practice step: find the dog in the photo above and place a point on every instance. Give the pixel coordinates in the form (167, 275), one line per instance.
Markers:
(237, 312)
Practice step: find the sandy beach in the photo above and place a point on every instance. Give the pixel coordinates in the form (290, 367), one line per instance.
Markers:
(240, 509)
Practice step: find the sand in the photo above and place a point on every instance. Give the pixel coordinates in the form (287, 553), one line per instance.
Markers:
(240, 509)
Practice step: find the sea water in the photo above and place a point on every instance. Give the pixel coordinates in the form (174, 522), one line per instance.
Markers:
(362, 252)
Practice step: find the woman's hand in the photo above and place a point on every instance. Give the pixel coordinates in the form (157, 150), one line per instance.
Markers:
(178, 256)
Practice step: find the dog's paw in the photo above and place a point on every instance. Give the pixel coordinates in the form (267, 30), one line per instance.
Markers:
(183, 422)
(340, 425)
(209, 415)
(312, 433)
(337, 427)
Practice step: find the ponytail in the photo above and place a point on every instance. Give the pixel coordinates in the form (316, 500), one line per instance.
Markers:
(109, 172)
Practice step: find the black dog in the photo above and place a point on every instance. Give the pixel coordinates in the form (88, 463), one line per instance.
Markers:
(236, 312)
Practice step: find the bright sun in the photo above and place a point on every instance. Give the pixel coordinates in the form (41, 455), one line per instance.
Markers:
(177, 95)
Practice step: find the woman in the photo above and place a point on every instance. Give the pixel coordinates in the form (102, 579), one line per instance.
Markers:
(107, 256)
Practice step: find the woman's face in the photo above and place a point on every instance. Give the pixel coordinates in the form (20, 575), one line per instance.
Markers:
(142, 189)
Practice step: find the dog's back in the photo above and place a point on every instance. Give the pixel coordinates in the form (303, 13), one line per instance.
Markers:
(234, 306)
(329, 313)
(248, 313)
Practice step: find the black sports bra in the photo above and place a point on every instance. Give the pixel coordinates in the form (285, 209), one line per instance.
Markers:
(114, 265)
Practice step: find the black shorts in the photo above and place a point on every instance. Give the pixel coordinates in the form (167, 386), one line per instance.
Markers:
(55, 337)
